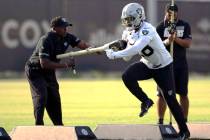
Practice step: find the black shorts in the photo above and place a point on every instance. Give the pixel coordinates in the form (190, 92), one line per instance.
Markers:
(181, 77)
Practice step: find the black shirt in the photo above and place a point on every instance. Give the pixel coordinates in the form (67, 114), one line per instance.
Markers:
(51, 45)
(183, 31)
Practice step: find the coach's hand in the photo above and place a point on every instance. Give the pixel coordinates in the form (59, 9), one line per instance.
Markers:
(172, 28)
(172, 37)
(110, 53)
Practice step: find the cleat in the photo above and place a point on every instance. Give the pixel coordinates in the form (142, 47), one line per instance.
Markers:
(145, 107)
(184, 135)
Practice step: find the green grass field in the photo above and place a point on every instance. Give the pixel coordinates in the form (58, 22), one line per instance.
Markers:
(93, 102)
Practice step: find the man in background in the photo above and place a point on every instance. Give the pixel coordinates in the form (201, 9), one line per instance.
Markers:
(178, 33)
(41, 66)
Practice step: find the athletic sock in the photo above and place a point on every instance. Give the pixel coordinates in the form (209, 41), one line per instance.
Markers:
(160, 121)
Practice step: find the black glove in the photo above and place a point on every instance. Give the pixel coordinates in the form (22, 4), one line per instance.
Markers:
(118, 45)
(171, 27)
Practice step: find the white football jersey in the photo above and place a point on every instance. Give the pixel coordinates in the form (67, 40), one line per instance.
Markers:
(147, 43)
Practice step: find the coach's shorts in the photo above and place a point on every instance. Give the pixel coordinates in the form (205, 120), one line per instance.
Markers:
(181, 77)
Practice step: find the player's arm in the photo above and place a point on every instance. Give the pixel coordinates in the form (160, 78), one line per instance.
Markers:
(131, 49)
(124, 37)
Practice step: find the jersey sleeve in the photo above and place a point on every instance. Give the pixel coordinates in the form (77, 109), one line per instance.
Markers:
(44, 48)
(187, 31)
(133, 49)
(124, 35)
(73, 40)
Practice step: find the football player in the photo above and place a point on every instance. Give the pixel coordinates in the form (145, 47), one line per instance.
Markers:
(155, 62)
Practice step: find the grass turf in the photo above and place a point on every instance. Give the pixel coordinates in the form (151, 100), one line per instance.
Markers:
(93, 102)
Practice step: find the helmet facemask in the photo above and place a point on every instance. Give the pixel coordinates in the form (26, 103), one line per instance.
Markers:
(128, 21)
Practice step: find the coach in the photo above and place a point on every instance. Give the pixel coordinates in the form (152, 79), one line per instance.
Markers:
(180, 34)
(41, 66)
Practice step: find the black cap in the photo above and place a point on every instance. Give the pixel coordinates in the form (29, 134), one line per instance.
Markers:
(59, 22)
(172, 8)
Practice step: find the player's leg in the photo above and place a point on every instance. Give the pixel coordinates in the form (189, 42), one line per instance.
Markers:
(184, 102)
(165, 80)
(182, 78)
(135, 72)
(53, 105)
(161, 106)
(39, 94)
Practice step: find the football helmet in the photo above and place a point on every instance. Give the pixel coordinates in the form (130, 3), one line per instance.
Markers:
(132, 16)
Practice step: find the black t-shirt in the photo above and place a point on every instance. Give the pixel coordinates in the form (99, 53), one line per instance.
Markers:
(183, 31)
(51, 45)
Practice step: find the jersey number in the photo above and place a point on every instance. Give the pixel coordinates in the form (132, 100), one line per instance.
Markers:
(147, 51)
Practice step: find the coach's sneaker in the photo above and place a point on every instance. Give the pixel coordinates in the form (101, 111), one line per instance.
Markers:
(184, 135)
(145, 107)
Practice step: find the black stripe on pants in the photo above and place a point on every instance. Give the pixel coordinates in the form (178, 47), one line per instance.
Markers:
(165, 80)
